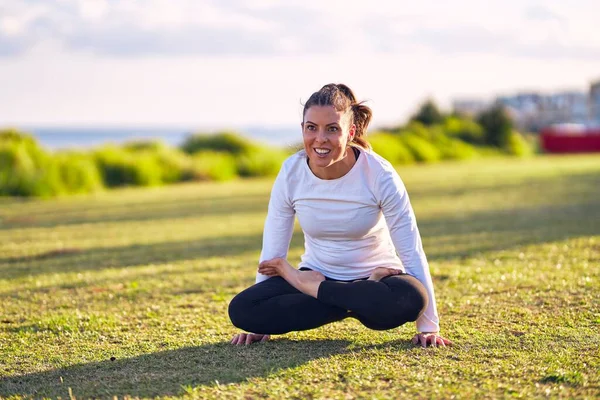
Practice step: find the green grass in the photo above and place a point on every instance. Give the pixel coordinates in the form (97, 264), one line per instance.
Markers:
(125, 293)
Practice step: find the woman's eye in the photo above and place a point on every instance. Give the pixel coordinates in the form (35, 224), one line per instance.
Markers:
(333, 129)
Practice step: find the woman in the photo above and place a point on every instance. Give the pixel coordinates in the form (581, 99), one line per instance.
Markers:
(363, 253)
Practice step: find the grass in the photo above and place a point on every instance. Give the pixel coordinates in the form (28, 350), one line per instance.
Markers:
(125, 293)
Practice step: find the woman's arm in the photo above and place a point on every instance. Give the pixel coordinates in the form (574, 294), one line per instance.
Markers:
(402, 224)
(279, 225)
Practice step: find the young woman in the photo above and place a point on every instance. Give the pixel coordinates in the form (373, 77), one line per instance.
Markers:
(363, 253)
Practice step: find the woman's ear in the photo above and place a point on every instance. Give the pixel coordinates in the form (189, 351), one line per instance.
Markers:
(352, 131)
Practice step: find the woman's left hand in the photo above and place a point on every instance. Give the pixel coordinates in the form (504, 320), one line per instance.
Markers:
(432, 339)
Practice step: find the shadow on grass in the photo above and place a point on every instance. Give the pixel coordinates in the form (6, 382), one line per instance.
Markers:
(568, 184)
(138, 212)
(479, 232)
(74, 260)
(459, 235)
(167, 372)
(447, 237)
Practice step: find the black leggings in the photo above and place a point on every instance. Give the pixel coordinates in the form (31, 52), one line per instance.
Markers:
(275, 307)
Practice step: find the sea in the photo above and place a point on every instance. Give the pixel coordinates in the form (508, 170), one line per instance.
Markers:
(57, 138)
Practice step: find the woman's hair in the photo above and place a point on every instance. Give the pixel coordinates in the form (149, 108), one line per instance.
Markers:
(341, 97)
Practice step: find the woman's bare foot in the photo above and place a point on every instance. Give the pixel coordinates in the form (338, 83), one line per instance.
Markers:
(305, 281)
(381, 272)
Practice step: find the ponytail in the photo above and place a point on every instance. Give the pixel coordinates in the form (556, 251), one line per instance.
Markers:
(361, 118)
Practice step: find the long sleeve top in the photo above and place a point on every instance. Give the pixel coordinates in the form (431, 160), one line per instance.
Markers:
(351, 224)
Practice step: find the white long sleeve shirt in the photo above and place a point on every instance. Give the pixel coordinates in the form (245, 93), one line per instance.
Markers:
(351, 225)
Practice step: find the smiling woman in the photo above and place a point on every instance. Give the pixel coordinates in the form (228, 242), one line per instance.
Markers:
(333, 120)
(363, 253)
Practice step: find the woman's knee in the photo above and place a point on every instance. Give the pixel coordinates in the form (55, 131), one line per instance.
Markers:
(410, 295)
(240, 312)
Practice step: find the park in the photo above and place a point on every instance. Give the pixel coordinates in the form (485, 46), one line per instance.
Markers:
(125, 292)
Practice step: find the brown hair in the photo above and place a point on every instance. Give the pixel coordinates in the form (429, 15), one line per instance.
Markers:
(343, 99)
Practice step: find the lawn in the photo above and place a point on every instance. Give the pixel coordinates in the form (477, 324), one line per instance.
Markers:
(125, 293)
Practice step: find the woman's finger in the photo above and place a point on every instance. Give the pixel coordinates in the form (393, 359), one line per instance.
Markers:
(415, 339)
(240, 338)
(249, 339)
(423, 340)
(265, 338)
(440, 341)
(432, 340)
(235, 339)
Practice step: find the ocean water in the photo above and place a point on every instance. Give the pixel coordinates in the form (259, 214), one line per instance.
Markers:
(85, 137)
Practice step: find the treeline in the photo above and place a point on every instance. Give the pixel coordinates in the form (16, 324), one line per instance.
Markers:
(27, 169)
(431, 135)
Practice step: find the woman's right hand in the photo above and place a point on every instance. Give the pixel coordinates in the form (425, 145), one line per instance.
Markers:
(249, 338)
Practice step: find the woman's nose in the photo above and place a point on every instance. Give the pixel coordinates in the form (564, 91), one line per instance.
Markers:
(321, 137)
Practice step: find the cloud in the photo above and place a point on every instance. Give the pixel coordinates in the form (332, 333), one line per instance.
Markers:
(479, 40)
(542, 13)
(267, 27)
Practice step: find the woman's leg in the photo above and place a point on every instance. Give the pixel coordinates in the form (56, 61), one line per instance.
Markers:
(275, 307)
(380, 305)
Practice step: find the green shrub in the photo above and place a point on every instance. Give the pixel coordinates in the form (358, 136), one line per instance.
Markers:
(26, 169)
(15, 136)
(120, 167)
(78, 173)
(454, 149)
(418, 129)
(224, 141)
(517, 145)
(391, 148)
(464, 129)
(421, 149)
(212, 165)
(262, 161)
(173, 162)
(145, 145)
(450, 148)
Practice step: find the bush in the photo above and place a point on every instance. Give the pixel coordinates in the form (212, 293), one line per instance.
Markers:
(464, 129)
(78, 173)
(262, 161)
(517, 145)
(145, 145)
(450, 148)
(224, 141)
(454, 149)
(26, 169)
(391, 148)
(418, 129)
(120, 167)
(173, 162)
(421, 149)
(212, 165)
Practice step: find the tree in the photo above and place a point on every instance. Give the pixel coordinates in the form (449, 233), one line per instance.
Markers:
(428, 114)
(497, 126)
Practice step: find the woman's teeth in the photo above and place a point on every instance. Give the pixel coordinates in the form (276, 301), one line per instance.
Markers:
(322, 151)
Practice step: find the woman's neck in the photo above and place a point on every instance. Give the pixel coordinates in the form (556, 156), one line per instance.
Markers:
(336, 170)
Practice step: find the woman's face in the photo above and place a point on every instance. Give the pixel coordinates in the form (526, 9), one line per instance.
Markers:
(326, 133)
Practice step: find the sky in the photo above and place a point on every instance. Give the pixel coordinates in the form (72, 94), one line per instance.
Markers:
(235, 63)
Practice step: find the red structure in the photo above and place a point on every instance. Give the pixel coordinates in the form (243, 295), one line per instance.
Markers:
(570, 139)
